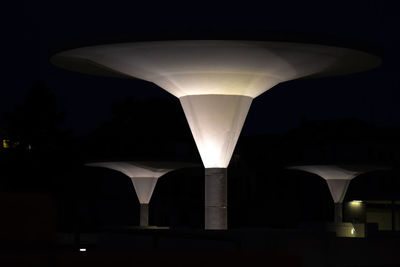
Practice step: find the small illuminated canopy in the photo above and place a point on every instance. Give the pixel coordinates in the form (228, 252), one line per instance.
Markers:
(144, 175)
(337, 177)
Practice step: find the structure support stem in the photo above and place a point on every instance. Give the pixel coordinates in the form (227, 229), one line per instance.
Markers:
(216, 199)
(338, 212)
(144, 214)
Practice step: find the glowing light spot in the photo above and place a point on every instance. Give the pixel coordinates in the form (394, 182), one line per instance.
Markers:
(6, 143)
(353, 231)
(82, 249)
(356, 203)
(216, 122)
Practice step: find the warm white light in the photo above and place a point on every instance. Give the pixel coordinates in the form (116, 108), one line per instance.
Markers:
(239, 70)
(144, 175)
(217, 67)
(216, 122)
(355, 203)
(216, 82)
(82, 249)
(337, 177)
(353, 231)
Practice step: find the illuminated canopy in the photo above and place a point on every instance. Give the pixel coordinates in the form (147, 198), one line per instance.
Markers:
(215, 81)
(216, 122)
(337, 177)
(200, 73)
(204, 67)
(144, 175)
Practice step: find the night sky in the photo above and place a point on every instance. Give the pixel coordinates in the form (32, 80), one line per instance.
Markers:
(32, 29)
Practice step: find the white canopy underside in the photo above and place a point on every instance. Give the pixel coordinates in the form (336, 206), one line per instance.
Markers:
(330, 172)
(144, 175)
(337, 177)
(144, 188)
(133, 169)
(216, 67)
(215, 80)
(338, 189)
(216, 122)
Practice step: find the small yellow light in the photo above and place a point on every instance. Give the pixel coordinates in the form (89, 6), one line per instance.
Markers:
(6, 143)
(353, 231)
(356, 203)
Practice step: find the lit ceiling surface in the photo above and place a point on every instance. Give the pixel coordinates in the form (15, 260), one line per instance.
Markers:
(144, 175)
(215, 81)
(338, 177)
(246, 68)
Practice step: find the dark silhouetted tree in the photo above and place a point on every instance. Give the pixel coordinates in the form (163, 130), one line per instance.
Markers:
(144, 128)
(35, 124)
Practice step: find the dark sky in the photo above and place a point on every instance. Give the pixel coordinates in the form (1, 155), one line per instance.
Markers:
(31, 29)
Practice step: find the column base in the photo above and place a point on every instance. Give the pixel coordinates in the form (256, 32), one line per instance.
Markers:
(216, 202)
(338, 213)
(144, 215)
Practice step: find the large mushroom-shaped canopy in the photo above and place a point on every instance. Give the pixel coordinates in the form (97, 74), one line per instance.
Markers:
(215, 80)
(223, 67)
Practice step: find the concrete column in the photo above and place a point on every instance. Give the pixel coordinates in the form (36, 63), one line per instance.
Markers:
(216, 198)
(144, 214)
(338, 212)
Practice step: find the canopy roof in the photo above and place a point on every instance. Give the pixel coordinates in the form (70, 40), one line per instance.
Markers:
(338, 177)
(227, 67)
(338, 172)
(144, 175)
(142, 169)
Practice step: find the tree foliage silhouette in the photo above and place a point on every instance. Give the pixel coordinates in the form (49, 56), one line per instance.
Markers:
(143, 128)
(35, 123)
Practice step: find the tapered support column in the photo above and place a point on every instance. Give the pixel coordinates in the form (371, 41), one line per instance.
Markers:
(339, 212)
(144, 214)
(216, 198)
